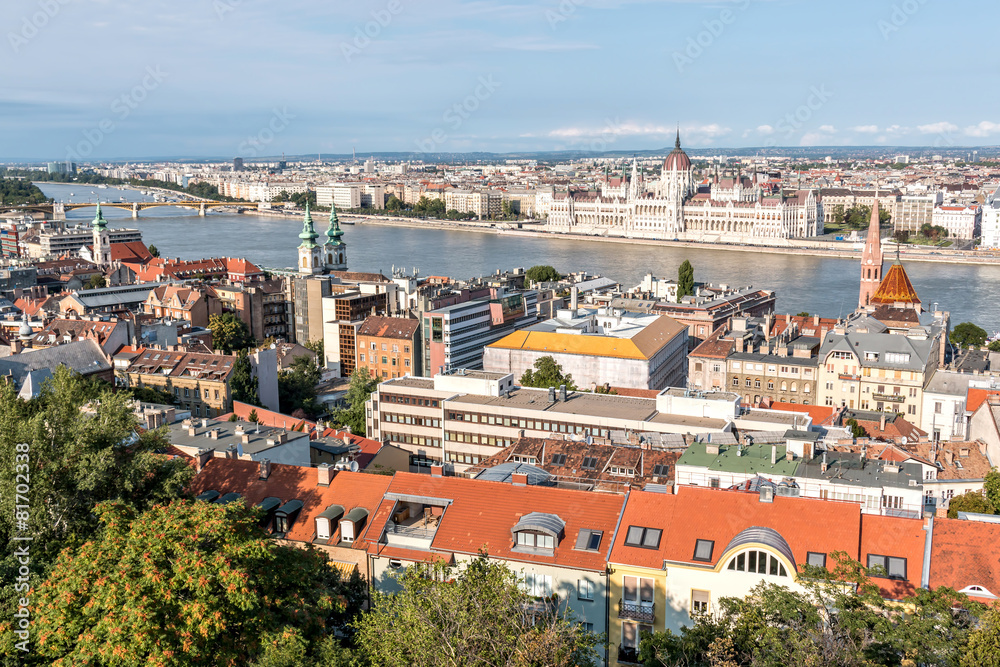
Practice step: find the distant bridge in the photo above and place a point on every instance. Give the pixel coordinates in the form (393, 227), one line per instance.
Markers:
(58, 211)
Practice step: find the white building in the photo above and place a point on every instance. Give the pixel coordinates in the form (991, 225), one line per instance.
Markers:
(962, 222)
(990, 223)
(343, 195)
(734, 210)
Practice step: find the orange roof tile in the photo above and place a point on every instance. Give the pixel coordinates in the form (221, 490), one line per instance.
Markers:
(683, 519)
(977, 397)
(894, 536)
(819, 413)
(963, 554)
(895, 287)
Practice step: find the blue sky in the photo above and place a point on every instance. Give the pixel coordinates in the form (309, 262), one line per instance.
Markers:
(113, 79)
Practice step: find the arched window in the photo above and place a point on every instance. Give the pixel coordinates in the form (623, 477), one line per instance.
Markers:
(795, 386)
(806, 388)
(784, 386)
(758, 562)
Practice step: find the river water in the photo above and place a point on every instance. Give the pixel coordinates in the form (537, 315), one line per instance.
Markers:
(819, 285)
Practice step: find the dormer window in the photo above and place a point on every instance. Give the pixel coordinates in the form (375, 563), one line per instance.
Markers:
(327, 520)
(285, 516)
(589, 463)
(538, 531)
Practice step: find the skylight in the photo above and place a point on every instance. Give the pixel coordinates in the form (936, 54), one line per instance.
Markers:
(703, 549)
(640, 536)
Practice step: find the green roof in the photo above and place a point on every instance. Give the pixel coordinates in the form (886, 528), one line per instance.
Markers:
(334, 232)
(308, 233)
(99, 221)
(755, 459)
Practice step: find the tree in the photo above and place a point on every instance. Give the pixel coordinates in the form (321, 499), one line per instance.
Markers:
(838, 214)
(859, 217)
(317, 347)
(685, 280)
(967, 334)
(154, 251)
(471, 616)
(74, 461)
(297, 386)
(188, 583)
(97, 281)
(994, 346)
(361, 388)
(803, 314)
(253, 418)
(983, 649)
(970, 501)
(546, 373)
(991, 487)
(242, 382)
(151, 395)
(229, 333)
(857, 430)
(542, 273)
(394, 203)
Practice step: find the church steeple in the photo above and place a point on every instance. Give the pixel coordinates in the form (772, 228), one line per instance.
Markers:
(335, 249)
(99, 221)
(308, 233)
(310, 253)
(677, 141)
(334, 232)
(101, 240)
(872, 258)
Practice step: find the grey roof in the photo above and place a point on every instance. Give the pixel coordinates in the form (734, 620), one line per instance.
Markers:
(761, 535)
(32, 385)
(550, 524)
(858, 344)
(113, 296)
(848, 468)
(227, 436)
(950, 383)
(503, 472)
(84, 356)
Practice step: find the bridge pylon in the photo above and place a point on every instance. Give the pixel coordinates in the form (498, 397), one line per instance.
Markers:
(201, 209)
(58, 211)
(135, 210)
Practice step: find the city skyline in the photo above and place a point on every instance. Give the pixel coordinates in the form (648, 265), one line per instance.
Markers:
(199, 80)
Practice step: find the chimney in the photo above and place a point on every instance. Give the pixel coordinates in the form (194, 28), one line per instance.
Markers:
(324, 473)
(437, 471)
(265, 468)
(574, 298)
(767, 493)
(519, 479)
(789, 456)
(823, 465)
(16, 347)
(941, 512)
(214, 434)
(192, 431)
(712, 449)
(562, 392)
(231, 452)
(949, 457)
(881, 423)
(552, 394)
(204, 455)
(245, 438)
(204, 423)
(774, 454)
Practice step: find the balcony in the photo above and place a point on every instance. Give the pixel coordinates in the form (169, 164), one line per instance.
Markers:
(636, 611)
(848, 376)
(628, 655)
(413, 531)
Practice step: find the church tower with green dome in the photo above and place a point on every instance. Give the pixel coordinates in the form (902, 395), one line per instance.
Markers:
(310, 252)
(335, 249)
(101, 240)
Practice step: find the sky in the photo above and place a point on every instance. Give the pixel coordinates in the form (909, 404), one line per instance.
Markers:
(107, 79)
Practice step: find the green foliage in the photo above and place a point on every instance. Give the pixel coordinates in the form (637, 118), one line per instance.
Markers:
(299, 198)
(97, 281)
(968, 334)
(857, 430)
(74, 462)
(826, 624)
(297, 386)
(361, 388)
(685, 280)
(429, 207)
(150, 395)
(317, 347)
(394, 203)
(994, 346)
(838, 214)
(253, 417)
(188, 583)
(542, 273)
(474, 616)
(859, 217)
(970, 501)
(991, 487)
(229, 333)
(803, 314)
(546, 373)
(983, 649)
(933, 232)
(242, 382)
(17, 192)
(154, 251)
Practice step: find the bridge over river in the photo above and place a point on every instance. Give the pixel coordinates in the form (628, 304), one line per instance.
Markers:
(57, 211)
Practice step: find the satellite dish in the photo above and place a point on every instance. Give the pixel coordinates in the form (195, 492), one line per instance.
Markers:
(903, 440)
(354, 466)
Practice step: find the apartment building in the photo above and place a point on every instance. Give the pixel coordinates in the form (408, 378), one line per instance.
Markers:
(389, 346)
(465, 417)
(914, 211)
(193, 305)
(199, 382)
(454, 336)
(962, 222)
(343, 316)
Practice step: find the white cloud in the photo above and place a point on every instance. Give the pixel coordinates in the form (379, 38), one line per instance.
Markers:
(984, 129)
(765, 129)
(937, 128)
(866, 129)
(614, 129)
(830, 129)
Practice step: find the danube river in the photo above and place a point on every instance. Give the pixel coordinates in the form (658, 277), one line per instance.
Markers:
(824, 286)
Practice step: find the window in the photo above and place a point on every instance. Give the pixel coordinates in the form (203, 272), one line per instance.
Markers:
(639, 536)
(535, 540)
(703, 549)
(636, 589)
(584, 589)
(894, 568)
(700, 601)
(759, 562)
(362, 356)
(558, 459)
(538, 585)
(586, 627)
(816, 559)
(736, 382)
(589, 540)
(589, 463)
(661, 470)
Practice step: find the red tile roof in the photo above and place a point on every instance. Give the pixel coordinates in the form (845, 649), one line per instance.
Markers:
(706, 514)
(287, 482)
(820, 413)
(270, 418)
(894, 536)
(964, 553)
(976, 397)
(482, 514)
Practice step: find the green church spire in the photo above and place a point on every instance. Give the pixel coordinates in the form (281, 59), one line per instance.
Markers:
(334, 232)
(99, 222)
(308, 234)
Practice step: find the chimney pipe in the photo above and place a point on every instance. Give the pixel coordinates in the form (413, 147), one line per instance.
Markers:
(823, 466)
(552, 394)
(324, 474)
(562, 392)
(204, 455)
(437, 471)
(774, 454)
(881, 424)
(519, 479)
(265, 468)
(574, 298)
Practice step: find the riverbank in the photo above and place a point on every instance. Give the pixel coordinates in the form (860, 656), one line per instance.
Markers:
(813, 248)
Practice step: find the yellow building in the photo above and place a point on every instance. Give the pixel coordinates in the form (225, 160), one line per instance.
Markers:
(198, 382)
